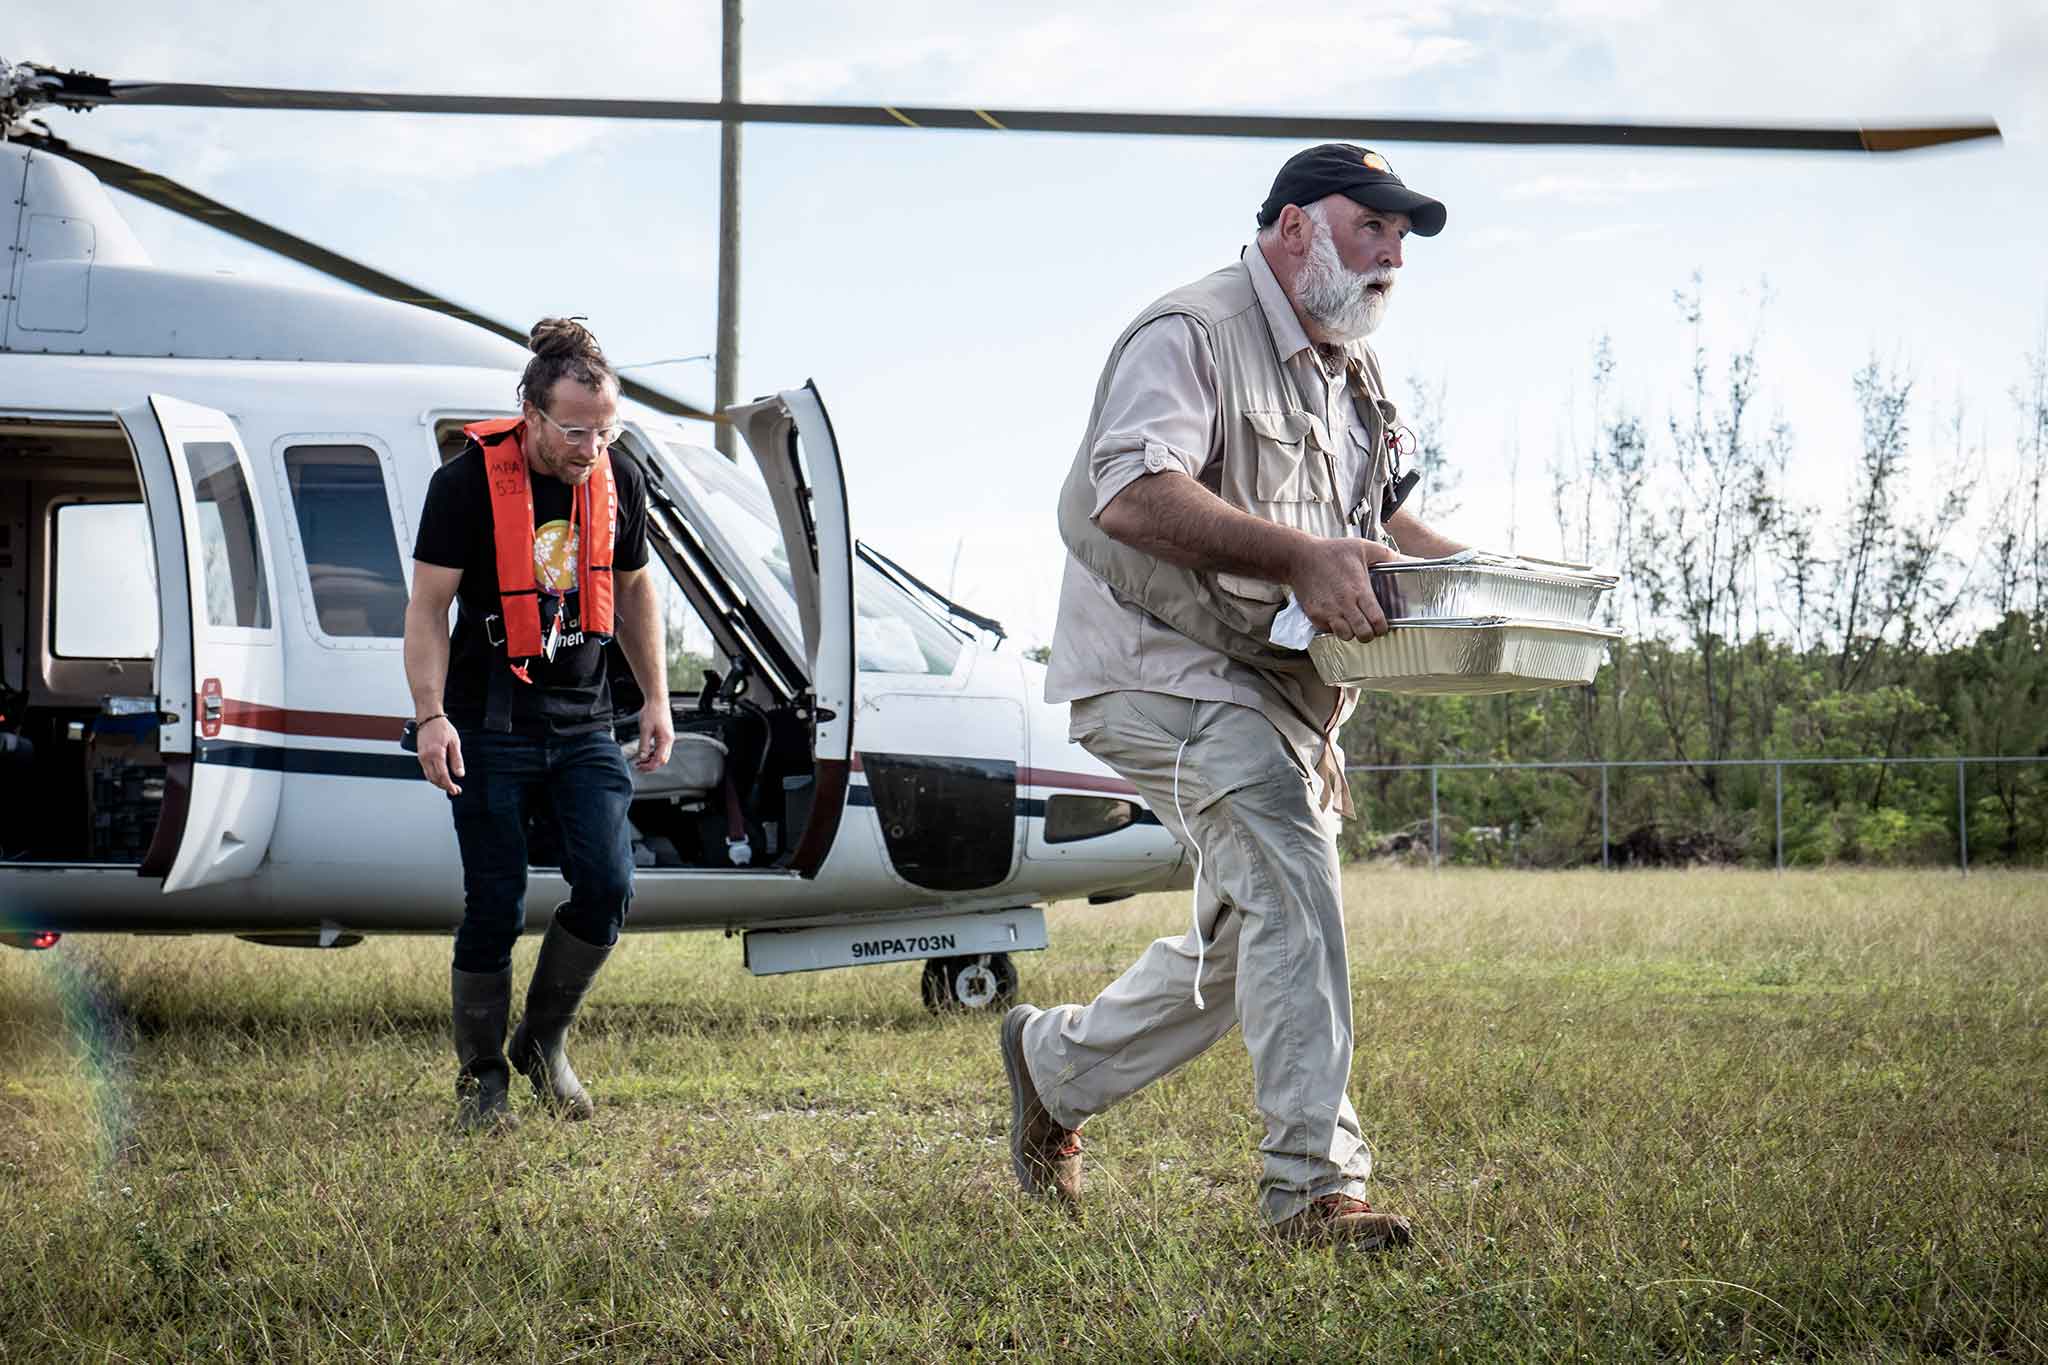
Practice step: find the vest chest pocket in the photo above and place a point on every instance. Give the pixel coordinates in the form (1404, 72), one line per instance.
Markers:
(1289, 463)
(1283, 476)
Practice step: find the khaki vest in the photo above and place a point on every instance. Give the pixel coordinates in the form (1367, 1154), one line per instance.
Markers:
(1277, 463)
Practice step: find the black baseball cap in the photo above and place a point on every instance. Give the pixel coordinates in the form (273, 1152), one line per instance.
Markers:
(1360, 175)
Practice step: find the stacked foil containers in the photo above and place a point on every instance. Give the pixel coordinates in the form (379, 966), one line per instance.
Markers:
(1475, 623)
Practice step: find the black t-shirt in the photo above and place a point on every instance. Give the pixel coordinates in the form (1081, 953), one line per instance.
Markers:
(571, 694)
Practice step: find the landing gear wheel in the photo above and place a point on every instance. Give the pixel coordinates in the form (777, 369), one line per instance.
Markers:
(984, 982)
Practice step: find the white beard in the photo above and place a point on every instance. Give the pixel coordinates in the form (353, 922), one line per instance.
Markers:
(1337, 297)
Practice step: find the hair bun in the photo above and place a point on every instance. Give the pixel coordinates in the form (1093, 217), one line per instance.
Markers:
(563, 348)
(561, 336)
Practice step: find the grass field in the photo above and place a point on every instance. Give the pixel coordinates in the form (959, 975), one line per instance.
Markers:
(1652, 1115)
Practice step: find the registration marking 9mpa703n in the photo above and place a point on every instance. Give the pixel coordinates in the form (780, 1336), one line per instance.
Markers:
(1014, 929)
(906, 947)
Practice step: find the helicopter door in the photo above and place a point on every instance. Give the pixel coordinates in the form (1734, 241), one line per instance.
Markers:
(791, 439)
(220, 675)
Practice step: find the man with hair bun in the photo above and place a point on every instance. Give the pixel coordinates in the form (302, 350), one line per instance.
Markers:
(1241, 448)
(539, 536)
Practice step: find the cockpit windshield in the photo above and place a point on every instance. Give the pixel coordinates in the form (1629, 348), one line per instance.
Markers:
(893, 632)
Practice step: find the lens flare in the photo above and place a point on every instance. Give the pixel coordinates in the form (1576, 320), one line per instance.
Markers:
(96, 1030)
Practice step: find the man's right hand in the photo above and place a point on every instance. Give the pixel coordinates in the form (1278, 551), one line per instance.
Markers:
(1332, 580)
(441, 754)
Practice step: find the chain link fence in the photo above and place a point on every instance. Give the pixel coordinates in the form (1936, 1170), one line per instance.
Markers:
(1705, 810)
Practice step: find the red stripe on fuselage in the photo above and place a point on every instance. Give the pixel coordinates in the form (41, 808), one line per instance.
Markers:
(1087, 782)
(1055, 777)
(249, 715)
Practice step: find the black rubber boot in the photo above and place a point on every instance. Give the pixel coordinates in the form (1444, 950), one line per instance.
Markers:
(561, 978)
(483, 1003)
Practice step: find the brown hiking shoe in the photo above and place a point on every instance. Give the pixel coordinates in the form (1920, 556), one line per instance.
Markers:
(1345, 1220)
(1045, 1156)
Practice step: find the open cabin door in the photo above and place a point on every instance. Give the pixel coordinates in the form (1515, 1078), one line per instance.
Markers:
(791, 439)
(220, 666)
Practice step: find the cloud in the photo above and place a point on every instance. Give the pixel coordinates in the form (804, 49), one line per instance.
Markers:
(1139, 55)
(1598, 189)
(1148, 54)
(1622, 58)
(1607, 232)
(463, 46)
(1880, 62)
(457, 48)
(1492, 237)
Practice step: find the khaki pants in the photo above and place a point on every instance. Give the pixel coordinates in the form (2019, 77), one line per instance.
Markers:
(1271, 911)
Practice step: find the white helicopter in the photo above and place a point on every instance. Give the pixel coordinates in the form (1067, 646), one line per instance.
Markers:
(208, 489)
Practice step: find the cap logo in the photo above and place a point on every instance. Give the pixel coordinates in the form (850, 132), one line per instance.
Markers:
(1377, 162)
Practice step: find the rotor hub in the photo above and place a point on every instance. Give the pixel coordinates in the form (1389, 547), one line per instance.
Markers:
(22, 88)
(26, 87)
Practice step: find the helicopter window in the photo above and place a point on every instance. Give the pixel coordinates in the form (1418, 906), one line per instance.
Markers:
(895, 634)
(105, 584)
(892, 633)
(237, 592)
(449, 438)
(691, 650)
(344, 520)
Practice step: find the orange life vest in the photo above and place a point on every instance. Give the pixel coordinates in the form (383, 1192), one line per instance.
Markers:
(593, 519)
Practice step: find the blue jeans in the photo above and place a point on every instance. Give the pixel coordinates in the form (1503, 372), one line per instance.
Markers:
(587, 777)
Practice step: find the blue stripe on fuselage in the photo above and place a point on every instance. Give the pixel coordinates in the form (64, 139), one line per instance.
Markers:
(273, 758)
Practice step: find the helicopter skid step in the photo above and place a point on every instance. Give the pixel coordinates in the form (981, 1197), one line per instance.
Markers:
(773, 951)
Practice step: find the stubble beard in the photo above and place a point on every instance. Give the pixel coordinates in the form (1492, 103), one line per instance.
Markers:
(1338, 298)
(559, 466)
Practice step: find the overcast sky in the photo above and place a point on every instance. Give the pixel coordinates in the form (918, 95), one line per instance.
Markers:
(954, 294)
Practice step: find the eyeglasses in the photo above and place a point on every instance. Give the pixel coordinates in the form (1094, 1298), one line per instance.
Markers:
(576, 436)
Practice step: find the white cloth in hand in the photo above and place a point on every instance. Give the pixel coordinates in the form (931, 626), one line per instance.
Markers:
(1291, 628)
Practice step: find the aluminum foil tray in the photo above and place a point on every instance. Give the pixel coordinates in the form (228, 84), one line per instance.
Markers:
(1470, 656)
(1476, 584)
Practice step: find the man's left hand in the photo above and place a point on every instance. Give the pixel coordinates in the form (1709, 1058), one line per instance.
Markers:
(657, 737)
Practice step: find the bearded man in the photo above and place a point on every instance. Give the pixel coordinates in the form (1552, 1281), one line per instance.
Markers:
(1240, 448)
(539, 537)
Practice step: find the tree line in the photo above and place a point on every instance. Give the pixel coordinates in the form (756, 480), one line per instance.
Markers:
(1902, 612)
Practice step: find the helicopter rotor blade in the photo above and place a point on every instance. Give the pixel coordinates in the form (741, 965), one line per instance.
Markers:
(90, 92)
(166, 193)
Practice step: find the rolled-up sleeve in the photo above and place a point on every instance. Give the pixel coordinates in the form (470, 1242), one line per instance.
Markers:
(1160, 411)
